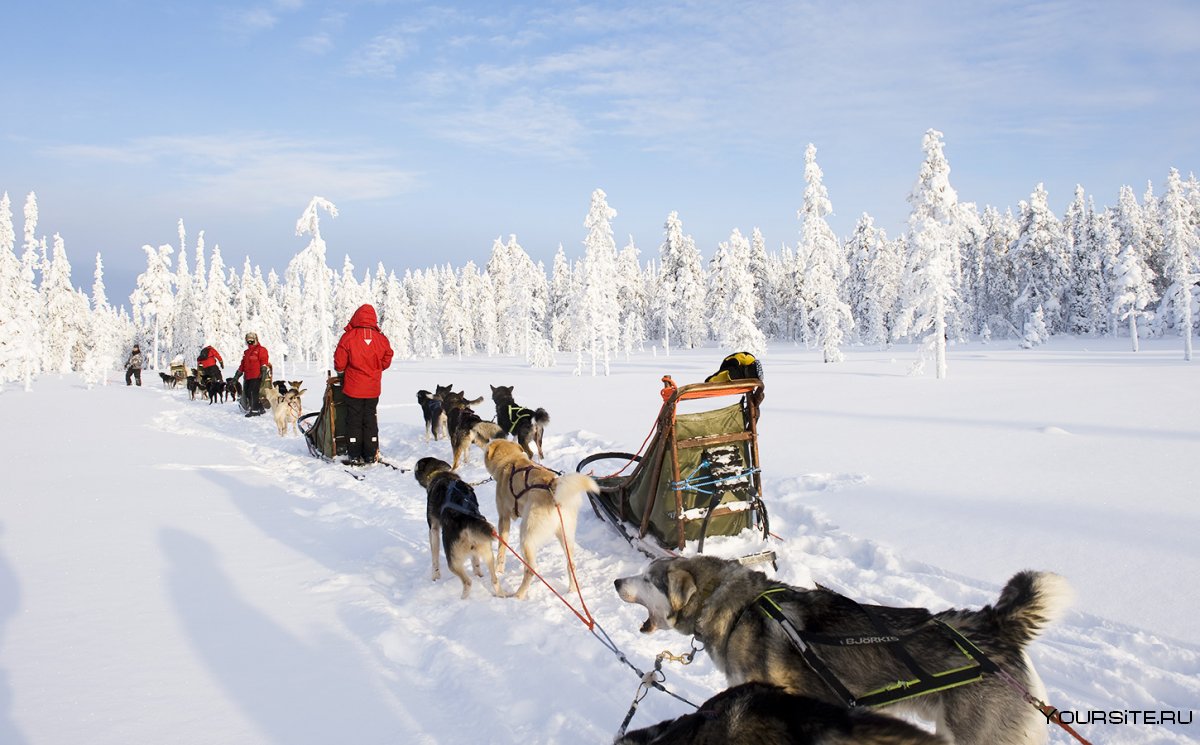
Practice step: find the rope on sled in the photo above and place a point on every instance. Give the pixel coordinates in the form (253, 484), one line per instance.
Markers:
(652, 679)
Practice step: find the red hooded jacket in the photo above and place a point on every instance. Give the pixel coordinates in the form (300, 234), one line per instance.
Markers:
(253, 360)
(363, 353)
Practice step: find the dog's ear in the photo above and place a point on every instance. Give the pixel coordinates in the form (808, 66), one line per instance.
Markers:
(301, 392)
(681, 586)
(493, 389)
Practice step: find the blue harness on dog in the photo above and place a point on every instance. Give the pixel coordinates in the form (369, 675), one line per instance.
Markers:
(460, 497)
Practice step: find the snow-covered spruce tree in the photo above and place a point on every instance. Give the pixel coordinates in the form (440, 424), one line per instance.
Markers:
(1154, 250)
(187, 328)
(348, 294)
(426, 299)
(151, 298)
(396, 318)
(10, 281)
(103, 341)
(311, 324)
(478, 287)
(825, 264)
(632, 296)
(61, 319)
(928, 291)
(735, 301)
(999, 290)
(1108, 247)
(1035, 332)
(561, 312)
(457, 329)
(502, 272)
(1093, 253)
(26, 328)
(1040, 262)
(222, 326)
(873, 284)
(1181, 259)
(760, 269)
(964, 319)
(521, 295)
(1133, 289)
(597, 308)
(1077, 237)
(679, 300)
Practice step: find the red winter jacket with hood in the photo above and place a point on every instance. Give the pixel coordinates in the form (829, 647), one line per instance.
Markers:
(363, 353)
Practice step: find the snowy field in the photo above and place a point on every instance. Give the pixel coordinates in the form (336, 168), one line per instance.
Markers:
(171, 572)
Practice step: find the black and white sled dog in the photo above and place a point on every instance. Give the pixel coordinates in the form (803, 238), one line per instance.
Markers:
(726, 606)
(452, 511)
(466, 427)
(433, 411)
(524, 424)
(765, 714)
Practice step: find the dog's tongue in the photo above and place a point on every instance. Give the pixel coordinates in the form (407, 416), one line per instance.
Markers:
(649, 625)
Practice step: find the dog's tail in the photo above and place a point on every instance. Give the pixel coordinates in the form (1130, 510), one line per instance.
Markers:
(1030, 602)
(541, 417)
(570, 488)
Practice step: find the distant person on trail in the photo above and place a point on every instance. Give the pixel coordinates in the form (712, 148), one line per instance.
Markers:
(209, 364)
(133, 366)
(362, 354)
(253, 360)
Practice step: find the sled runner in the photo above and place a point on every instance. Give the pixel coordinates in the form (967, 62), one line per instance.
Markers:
(699, 474)
(320, 428)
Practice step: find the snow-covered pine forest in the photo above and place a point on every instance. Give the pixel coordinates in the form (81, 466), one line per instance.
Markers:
(957, 272)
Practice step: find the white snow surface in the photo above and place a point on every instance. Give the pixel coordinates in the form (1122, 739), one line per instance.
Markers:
(171, 572)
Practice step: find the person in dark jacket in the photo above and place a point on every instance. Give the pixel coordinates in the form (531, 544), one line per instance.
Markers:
(254, 359)
(362, 354)
(133, 366)
(210, 363)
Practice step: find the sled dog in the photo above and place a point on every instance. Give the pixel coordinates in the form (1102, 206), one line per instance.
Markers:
(286, 410)
(535, 495)
(466, 427)
(169, 381)
(524, 424)
(452, 511)
(760, 713)
(433, 412)
(720, 602)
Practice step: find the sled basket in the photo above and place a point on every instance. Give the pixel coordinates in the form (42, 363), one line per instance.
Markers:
(698, 475)
(322, 429)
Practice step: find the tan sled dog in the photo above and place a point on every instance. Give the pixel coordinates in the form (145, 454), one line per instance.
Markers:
(535, 494)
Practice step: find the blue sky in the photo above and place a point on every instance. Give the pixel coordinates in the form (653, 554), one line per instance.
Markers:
(436, 128)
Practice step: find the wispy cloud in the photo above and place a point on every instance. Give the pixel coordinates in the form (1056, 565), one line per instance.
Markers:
(253, 172)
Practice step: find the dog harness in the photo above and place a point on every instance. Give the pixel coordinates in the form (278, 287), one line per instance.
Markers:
(521, 413)
(920, 684)
(528, 487)
(460, 497)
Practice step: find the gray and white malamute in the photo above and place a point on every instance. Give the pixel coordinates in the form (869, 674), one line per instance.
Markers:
(765, 714)
(452, 511)
(718, 602)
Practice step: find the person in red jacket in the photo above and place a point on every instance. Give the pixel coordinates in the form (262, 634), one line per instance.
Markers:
(210, 363)
(362, 354)
(254, 359)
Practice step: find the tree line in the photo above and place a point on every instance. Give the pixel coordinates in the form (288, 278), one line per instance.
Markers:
(955, 273)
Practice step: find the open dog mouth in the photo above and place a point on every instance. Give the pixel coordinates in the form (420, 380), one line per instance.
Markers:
(650, 625)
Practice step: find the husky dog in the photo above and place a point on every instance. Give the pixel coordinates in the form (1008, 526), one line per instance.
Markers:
(169, 381)
(287, 411)
(452, 510)
(524, 424)
(214, 390)
(233, 388)
(537, 496)
(466, 427)
(193, 386)
(761, 713)
(719, 601)
(433, 411)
